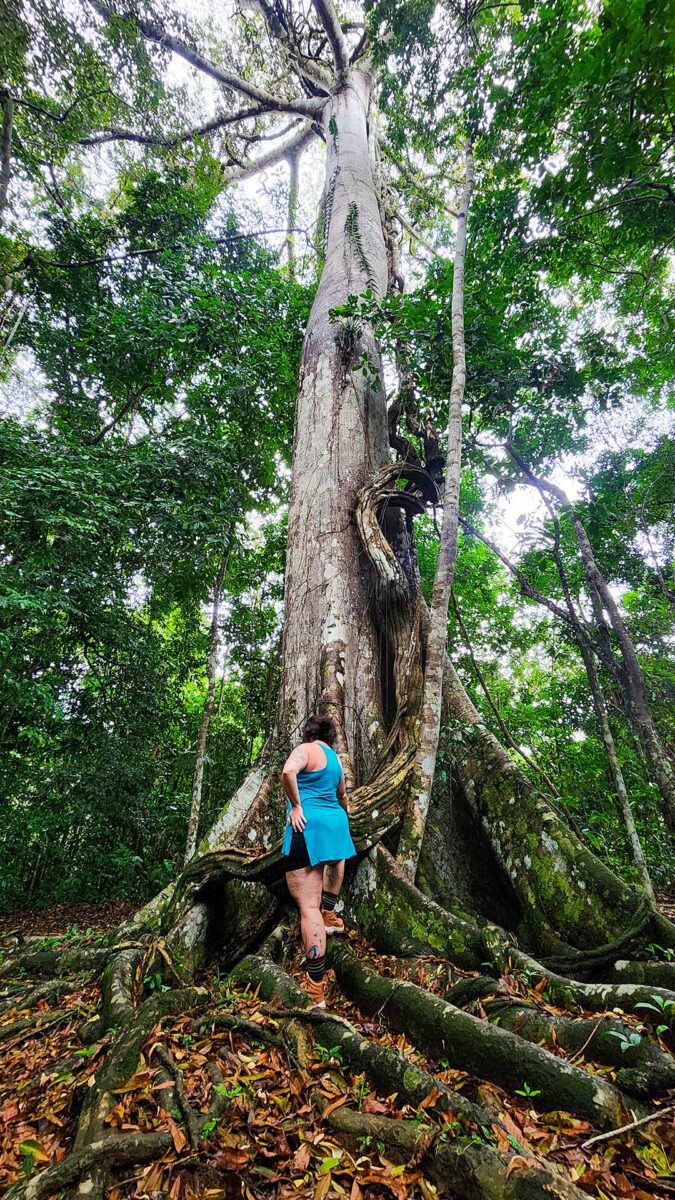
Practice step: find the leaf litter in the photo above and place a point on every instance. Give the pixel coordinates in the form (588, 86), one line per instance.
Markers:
(271, 1140)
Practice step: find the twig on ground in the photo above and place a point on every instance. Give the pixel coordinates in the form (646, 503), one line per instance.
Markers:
(604, 1137)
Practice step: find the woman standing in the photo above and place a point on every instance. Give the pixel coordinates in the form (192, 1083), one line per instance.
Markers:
(316, 843)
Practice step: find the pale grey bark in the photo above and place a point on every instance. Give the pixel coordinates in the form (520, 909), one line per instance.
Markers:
(425, 762)
(638, 700)
(338, 45)
(340, 442)
(203, 732)
(293, 159)
(155, 32)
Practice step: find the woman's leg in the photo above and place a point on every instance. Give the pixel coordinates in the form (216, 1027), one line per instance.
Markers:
(333, 874)
(305, 886)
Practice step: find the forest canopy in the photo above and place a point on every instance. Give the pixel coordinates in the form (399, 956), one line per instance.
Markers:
(151, 339)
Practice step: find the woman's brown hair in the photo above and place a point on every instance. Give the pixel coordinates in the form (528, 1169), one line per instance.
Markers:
(320, 729)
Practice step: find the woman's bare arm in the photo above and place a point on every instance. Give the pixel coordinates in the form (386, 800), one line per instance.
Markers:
(296, 762)
(342, 795)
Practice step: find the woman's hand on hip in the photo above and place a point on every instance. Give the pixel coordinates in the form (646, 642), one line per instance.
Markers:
(297, 818)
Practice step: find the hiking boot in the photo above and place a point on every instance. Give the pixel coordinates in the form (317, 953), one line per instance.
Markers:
(333, 923)
(314, 990)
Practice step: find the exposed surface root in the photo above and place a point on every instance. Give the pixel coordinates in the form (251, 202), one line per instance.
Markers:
(465, 1167)
(604, 1040)
(124, 1150)
(442, 1030)
(388, 908)
(460, 1167)
(241, 1087)
(44, 991)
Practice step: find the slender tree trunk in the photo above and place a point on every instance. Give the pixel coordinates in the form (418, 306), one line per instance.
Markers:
(510, 740)
(330, 644)
(5, 146)
(638, 700)
(203, 732)
(293, 188)
(414, 825)
(616, 773)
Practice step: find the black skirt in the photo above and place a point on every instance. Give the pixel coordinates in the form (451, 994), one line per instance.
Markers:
(298, 856)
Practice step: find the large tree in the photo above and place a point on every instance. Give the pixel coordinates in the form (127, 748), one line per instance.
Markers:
(504, 882)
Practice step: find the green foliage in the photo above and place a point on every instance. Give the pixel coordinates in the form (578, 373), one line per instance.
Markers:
(114, 528)
(155, 352)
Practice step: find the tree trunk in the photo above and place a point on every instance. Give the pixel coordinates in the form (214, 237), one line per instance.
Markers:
(293, 187)
(5, 146)
(638, 700)
(412, 834)
(615, 771)
(203, 732)
(330, 640)
(350, 565)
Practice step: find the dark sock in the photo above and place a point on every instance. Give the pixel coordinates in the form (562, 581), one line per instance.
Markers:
(328, 901)
(316, 968)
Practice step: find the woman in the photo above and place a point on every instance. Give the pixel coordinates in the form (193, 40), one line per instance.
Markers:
(316, 843)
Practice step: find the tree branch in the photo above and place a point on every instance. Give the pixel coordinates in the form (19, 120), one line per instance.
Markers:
(155, 32)
(301, 138)
(147, 139)
(128, 406)
(328, 17)
(148, 251)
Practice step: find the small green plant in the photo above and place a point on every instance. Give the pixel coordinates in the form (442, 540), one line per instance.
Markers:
(207, 1129)
(229, 1092)
(663, 952)
(153, 982)
(325, 1055)
(526, 1090)
(87, 1052)
(625, 1040)
(664, 1008)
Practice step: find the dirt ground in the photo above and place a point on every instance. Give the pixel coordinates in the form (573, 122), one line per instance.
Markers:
(59, 918)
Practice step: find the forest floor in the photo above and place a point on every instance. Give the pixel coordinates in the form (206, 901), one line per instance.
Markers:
(60, 919)
(271, 1141)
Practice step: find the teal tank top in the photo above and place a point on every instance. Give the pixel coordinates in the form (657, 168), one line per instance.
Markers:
(326, 833)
